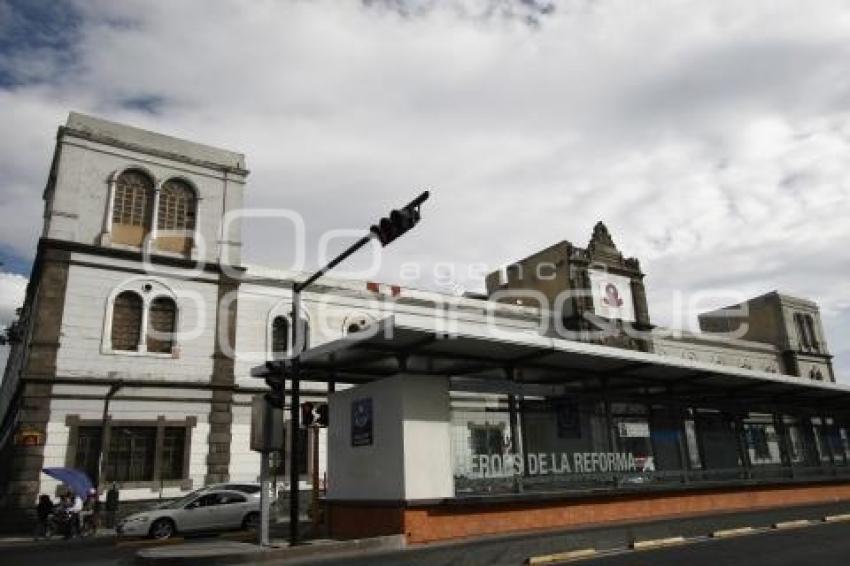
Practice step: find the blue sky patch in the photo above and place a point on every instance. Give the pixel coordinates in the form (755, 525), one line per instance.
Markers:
(43, 29)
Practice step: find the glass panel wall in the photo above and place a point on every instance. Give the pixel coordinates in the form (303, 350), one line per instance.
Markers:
(482, 446)
(569, 443)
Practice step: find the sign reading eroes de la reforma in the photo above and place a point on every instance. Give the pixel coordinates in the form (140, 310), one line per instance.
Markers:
(361, 422)
(612, 295)
(544, 464)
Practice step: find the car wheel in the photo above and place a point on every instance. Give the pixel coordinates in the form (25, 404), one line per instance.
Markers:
(251, 522)
(162, 529)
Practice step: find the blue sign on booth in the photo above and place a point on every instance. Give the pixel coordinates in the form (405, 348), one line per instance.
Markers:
(361, 422)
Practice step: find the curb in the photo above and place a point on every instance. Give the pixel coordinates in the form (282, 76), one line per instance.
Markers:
(657, 542)
(726, 533)
(792, 524)
(562, 556)
(649, 544)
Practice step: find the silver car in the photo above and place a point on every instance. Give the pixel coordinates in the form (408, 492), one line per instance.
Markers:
(204, 510)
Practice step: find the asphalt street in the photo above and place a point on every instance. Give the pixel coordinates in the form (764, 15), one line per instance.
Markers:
(820, 544)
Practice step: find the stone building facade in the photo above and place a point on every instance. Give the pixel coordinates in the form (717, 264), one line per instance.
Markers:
(141, 323)
(774, 332)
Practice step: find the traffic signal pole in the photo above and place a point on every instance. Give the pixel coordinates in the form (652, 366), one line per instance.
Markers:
(387, 230)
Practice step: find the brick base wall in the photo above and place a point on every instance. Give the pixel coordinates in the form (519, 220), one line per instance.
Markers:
(430, 523)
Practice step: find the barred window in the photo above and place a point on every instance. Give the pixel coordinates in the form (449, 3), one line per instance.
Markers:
(175, 217)
(161, 325)
(126, 321)
(131, 453)
(131, 210)
(176, 206)
(173, 446)
(87, 450)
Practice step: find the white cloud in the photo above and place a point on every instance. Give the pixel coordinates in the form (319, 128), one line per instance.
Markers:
(711, 136)
(12, 289)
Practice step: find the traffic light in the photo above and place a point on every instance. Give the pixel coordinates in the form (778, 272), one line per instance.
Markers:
(399, 221)
(322, 412)
(314, 414)
(276, 381)
(276, 395)
(306, 413)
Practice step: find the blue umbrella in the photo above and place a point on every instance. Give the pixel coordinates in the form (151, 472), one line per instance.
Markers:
(78, 481)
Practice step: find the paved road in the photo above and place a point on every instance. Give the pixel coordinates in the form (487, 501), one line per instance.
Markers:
(818, 545)
(95, 551)
(822, 545)
(59, 552)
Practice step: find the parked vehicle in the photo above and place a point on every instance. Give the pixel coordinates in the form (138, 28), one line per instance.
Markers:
(207, 509)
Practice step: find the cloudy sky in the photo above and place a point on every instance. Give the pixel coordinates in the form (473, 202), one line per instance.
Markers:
(712, 137)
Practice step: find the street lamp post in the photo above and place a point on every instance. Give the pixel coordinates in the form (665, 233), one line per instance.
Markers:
(101, 448)
(387, 230)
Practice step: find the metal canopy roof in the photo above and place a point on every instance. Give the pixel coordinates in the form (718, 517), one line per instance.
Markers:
(530, 362)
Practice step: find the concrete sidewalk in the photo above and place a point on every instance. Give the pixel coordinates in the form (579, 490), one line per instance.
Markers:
(231, 552)
(21, 539)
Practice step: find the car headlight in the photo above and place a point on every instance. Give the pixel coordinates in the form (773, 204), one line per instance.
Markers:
(137, 519)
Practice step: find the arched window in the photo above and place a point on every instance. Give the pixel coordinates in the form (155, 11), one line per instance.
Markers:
(281, 341)
(810, 329)
(131, 208)
(176, 214)
(126, 321)
(162, 320)
(802, 333)
(280, 337)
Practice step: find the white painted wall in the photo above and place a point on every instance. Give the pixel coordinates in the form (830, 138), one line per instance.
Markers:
(244, 462)
(56, 440)
(373, 472)
(79, 204)
(410, 457)
(427, 438)
(82, 351)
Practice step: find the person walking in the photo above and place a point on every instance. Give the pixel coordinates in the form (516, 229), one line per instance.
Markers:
(75, 510)
(88, 517)
(43, 511)
(112, 497)
(63, 510)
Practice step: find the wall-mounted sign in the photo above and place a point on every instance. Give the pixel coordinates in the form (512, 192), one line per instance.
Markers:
(633, 430)
(361, 422)
(612, 295)
(29, 438)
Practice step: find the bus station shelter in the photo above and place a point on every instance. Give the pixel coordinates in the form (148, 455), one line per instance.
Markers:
(480, 431)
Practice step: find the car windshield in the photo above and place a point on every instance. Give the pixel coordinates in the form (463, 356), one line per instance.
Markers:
(251, 489)
(177, 503)
(243, 487)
